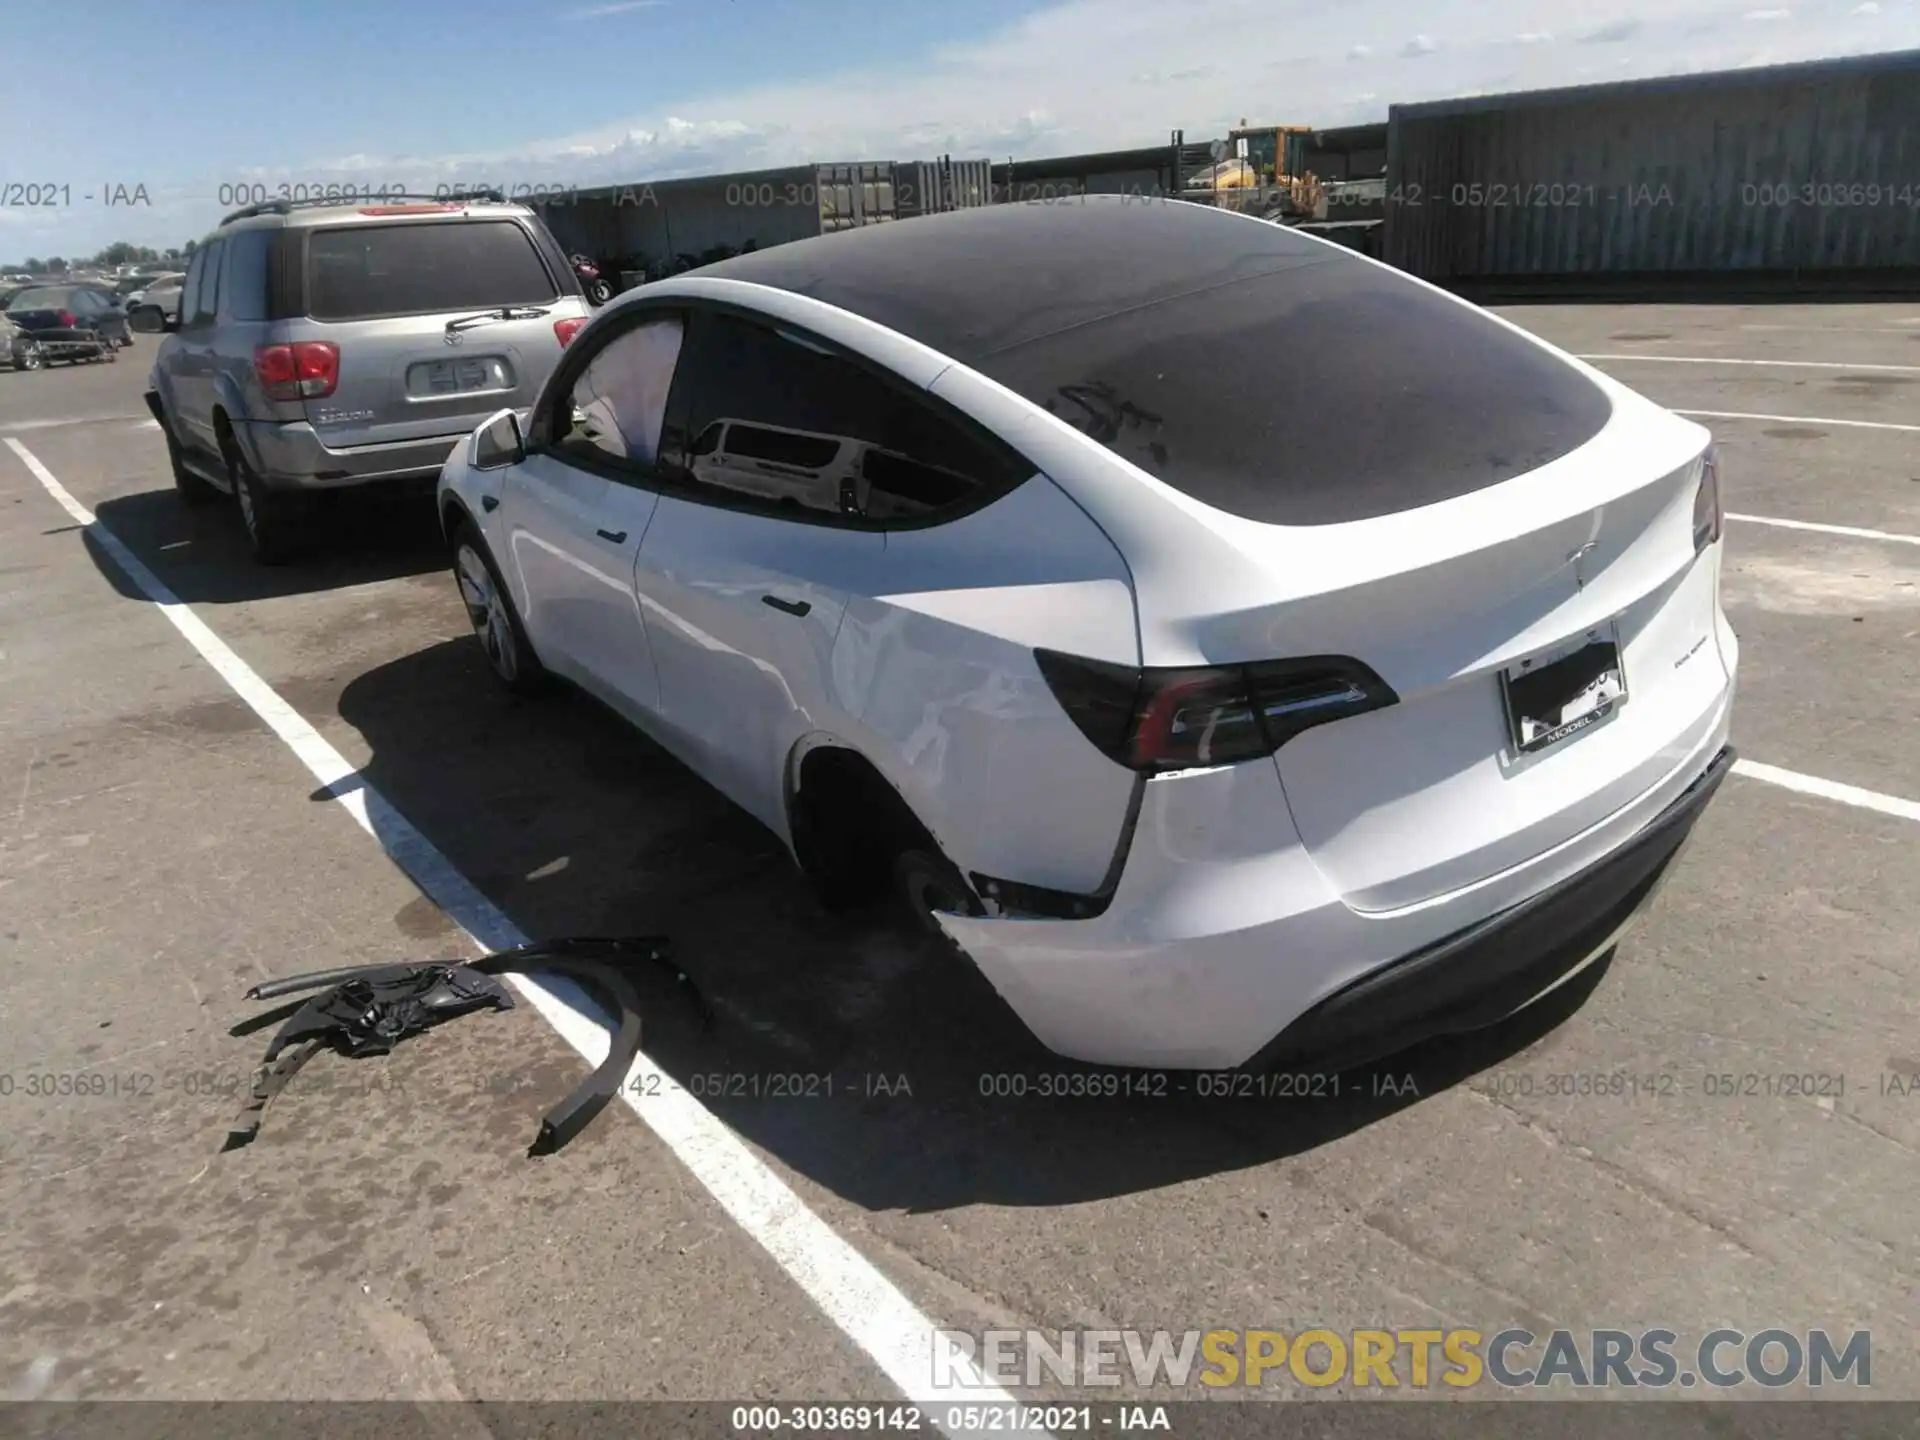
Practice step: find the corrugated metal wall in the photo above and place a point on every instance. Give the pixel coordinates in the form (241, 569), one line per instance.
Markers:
(852, 195)
(928, 187)
(1808, 168)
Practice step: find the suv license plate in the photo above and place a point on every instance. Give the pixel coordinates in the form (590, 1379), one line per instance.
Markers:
(1552, 698)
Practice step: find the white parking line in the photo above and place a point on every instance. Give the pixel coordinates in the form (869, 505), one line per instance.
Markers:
(1829, 789)
(1798, 420)
(15, 425)
(887, 1327)
(1768, 364)
(1853, 531)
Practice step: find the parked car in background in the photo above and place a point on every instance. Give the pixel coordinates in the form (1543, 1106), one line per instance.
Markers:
(155, 305)
(70, 322)
(977, 583)
(20, 348)
(333, 344)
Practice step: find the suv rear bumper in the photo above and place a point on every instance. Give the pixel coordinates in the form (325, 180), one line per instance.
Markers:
(292, 457)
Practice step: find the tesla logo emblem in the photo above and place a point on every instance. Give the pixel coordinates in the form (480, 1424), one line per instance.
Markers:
(1579, 570)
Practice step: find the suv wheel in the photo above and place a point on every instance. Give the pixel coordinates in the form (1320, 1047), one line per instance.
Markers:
(266, 516)
(27, 355)
(490, 611)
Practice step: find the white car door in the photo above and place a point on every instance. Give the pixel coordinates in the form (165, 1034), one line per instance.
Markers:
(745, 584)
(577, 509)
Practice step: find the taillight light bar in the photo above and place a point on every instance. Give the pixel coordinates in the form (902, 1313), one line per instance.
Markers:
(1709, 511)
(304, 370)
(1158, 719)
(565, 330)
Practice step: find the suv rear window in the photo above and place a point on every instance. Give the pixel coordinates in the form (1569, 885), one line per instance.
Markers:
(355, 272)
(1317, 393)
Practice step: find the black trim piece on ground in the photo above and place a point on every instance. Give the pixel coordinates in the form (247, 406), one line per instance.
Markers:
(1484, 973)
(600, 964)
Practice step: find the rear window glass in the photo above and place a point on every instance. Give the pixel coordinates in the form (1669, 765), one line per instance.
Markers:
(358, 271)
(40, 300)
(1319, 393)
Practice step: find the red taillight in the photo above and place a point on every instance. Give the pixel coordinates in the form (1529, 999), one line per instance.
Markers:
(304, 370)
(1176, 719)
(66, 319)
(565, 330)
(1709, 514)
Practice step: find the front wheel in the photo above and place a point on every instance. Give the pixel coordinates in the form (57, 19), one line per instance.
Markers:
(28, 355)
(490, 611)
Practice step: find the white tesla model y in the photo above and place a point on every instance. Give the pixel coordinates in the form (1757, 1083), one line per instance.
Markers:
(1244, 653)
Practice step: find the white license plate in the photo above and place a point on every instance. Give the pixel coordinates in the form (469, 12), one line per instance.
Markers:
(1552, 697)
(464, 376)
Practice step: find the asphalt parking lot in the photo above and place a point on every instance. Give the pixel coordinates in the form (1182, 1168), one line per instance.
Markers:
(162, 847)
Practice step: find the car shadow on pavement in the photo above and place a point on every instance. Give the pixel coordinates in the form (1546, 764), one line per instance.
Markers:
(860, 1055)
(200, 552)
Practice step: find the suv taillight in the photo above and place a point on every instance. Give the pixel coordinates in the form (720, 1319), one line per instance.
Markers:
(1709, 515)
(1177, 719)
(67, 320)
(304, 370)
(565, 330)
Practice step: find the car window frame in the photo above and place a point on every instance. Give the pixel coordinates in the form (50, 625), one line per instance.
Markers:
(207, 255)
(574, 363)
(663, 480)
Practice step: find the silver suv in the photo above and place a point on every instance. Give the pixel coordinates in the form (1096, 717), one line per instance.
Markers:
(343, 343)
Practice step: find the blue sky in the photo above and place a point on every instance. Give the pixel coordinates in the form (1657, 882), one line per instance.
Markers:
(197, 95)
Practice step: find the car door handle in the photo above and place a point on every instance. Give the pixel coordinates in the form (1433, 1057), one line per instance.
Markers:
(489, 503)
(612, 537)
(792, 607)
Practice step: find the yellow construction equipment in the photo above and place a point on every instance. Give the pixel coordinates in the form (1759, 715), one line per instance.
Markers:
(1264, 168)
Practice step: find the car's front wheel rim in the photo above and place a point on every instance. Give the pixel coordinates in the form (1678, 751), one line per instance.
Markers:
(487, 610)
(30, 357)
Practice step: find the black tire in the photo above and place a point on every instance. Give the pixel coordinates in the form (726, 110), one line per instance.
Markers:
(27, 355)
(268, 519)
(926, 882)
(191, 489)
(599, 292)
(837, 860)
(496, 624)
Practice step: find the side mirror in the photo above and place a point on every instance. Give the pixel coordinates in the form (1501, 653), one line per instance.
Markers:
(498, 443)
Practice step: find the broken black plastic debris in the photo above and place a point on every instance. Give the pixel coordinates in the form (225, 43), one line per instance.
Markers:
(367, 1009)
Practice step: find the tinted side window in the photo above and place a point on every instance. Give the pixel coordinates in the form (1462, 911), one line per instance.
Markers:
(765, 418)
(358, 271)
(243, 280)
(203, 300)
(618, 403)
(190, 287)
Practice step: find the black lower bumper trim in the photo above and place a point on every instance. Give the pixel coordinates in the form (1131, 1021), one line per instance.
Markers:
(1484, 973)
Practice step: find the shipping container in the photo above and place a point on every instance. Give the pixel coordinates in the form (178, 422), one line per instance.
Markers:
(1802, 169)
(928, 187)
(648, 229)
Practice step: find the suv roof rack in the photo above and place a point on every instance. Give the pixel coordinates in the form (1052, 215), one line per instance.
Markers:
(371, 197)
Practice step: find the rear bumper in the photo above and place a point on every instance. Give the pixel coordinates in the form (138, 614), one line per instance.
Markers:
(1224, 943)
(1486, 972)
(292, 456)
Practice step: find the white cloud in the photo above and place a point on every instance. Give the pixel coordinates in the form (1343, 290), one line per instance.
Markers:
(1534, 37)
(1046, 85)
(1419, 45)
(1768, 15)
(621, 7)
(1612, 33)
(1869, 7)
